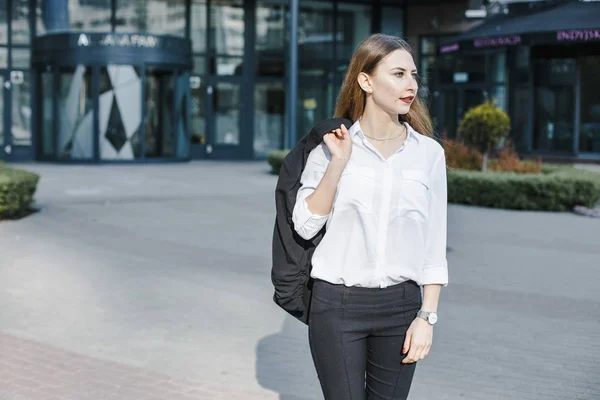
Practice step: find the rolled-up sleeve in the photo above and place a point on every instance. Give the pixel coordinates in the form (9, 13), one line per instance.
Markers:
(435, 269)
(305, 222)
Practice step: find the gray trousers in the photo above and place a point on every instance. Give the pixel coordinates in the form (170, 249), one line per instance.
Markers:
(356, 337)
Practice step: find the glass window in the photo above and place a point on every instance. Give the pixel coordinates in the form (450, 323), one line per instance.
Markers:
(520, 117)
(198, 110)
(21, 109)
(120, 112)
(198, 25)
(21, 34)
(160, 17)
(20, 58)
(427, 70)
(199, 65)
(226, 65)
(46, 119)
(269, 117)
(589, 131)
(75, 129)
(75, 15)
(3, 23)
(272, 35)
(3, 57)
(353, 25)
(160, 133)
(315, 38)
(314, 105)
(429, 45)
(392, 21)
(226, 106)
(227, 27)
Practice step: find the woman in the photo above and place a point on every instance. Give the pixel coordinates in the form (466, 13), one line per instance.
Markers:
(380, 189)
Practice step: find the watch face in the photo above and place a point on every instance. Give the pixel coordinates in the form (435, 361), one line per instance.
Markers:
(433, 318)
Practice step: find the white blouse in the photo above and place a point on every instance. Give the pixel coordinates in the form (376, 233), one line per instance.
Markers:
(388, 220)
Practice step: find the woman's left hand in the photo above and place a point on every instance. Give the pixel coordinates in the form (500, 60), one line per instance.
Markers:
(419, 338)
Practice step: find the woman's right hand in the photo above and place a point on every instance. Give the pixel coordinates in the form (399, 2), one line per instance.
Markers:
(339, 143)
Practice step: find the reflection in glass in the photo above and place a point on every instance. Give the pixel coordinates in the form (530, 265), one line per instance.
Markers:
(449, 105)
(21, 109)
(198, 110)
(554, 115)
(315, 38)
(76, 15)
(226, 106)
(3, 57)
(314, 105)
(271, 37)
(3, 23)
(21, 34)
(227, 66)
(45, 120)
(75, 133)
(159, 17)
(160, 135)
(589, 136)
(427, 69)
(120, 112)
(520, 117)
(227, 27)
(392, 20)
(198, 25)
(182, 139)
(555, 100)
(269, 117)
(21, 58)
(353, 26)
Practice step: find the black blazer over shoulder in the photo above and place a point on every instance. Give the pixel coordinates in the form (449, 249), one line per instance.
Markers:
(291, 254)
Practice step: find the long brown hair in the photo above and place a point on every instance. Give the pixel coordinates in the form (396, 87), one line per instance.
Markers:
(352, 99)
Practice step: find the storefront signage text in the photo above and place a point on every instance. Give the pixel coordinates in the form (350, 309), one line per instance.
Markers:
(113, 40)
(497, 41)
(449, 48)
(578, 34)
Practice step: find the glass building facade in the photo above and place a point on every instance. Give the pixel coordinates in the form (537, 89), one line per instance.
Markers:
(539, 62)
(149, 80)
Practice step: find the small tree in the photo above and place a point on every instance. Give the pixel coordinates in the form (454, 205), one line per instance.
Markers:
(483, 127)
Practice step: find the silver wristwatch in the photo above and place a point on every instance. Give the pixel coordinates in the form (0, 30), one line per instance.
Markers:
(428, 316)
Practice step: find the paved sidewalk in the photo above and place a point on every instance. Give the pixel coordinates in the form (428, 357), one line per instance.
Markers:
(152, 282)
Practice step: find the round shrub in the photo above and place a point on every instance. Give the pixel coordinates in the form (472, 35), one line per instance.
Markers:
(17, 188)
(275, 159)
(483, 127)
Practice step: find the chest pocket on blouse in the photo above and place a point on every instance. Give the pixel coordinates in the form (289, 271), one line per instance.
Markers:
(414, 195)
(356, 188)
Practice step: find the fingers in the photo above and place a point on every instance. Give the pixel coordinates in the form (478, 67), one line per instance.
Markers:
(340, 133)
(416, 352)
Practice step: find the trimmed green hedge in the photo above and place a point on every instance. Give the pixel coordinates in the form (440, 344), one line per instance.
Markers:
(557, 188)
(17, 188)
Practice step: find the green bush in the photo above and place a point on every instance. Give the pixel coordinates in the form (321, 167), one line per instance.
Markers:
(275, 159)
(555, 189)
(17, 188)
(483, 127)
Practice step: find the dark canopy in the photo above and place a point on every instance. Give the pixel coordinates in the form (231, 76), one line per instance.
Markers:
(561, 22)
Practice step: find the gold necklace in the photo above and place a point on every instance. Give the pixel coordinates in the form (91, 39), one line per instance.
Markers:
(384, 139)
